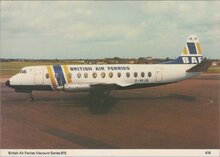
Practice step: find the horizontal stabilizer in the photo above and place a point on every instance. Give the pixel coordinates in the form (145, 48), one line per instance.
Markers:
(201, 67)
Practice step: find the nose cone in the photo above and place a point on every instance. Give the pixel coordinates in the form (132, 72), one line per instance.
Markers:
(7, 83)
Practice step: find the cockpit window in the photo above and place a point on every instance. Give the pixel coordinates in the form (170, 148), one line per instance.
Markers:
(23, 71)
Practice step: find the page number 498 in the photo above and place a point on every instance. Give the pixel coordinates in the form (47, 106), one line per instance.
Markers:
(208, 152)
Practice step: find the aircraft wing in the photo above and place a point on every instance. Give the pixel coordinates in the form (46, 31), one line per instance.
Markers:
(108, 86)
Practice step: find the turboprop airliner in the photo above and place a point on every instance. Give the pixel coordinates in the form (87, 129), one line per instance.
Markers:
(99, 80)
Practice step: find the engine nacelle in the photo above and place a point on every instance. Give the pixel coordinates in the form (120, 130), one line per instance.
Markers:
(76, 87)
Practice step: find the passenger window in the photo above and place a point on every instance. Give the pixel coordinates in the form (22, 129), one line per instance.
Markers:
(69, 75)
(47, 75)
(94, 75)
(142, 74)
(85, 75)
(128, 74)
(103, 75)
(23, 71)
(149, 74)
(135, 74)
(78, 75)
(110, 74)
(119, 74)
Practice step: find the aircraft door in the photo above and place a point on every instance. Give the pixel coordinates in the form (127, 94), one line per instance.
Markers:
(159, 75)
(59, 75)
(60, 79)
(39, 77)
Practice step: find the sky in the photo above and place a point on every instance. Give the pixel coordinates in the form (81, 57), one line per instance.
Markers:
(102, 29)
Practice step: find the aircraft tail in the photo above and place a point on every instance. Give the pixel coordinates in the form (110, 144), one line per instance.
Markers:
(191, 54)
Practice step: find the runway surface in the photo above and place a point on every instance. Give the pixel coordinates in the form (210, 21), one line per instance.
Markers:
(180, 115)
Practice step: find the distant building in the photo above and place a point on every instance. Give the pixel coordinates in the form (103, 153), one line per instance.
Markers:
(100, 62)
(131, 62)
(82, 62)
(149, 58)
(214, 64)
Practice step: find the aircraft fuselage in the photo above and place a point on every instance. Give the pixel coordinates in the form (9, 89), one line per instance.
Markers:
(82, 77)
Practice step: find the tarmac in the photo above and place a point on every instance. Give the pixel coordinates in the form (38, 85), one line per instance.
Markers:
(183, 115)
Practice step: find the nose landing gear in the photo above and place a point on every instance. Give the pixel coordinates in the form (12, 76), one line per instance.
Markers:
(30, 97)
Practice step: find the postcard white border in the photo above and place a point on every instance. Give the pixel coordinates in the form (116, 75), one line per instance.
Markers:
(111, 152)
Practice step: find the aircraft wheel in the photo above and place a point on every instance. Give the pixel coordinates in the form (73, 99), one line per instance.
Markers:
(30, 99)
(100, 104)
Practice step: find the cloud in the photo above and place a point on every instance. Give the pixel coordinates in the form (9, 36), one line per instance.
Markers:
(122, 29)
(184, 15)
(52, 19)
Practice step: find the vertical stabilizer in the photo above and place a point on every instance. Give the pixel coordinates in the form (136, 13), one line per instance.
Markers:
(192, 53)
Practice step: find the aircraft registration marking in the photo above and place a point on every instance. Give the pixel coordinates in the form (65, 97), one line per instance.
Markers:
(141, 80)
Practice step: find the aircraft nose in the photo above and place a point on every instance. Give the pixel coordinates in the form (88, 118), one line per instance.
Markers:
(7, 83)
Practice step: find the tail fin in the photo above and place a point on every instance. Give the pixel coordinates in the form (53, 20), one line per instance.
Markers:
(191, 54)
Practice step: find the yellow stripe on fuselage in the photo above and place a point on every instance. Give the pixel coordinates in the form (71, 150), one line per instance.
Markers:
(52, 79)
(66, 70)
(198, 48)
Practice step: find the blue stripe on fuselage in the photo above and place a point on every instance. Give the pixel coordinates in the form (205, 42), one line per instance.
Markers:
(59, 75)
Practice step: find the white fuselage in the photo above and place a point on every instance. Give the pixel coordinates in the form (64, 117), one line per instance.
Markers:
(57, 76)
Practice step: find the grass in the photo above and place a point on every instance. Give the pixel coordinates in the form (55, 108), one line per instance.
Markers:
(11, 68)
(213, 70)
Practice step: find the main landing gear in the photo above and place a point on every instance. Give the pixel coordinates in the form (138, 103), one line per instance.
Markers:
(100, 102)
(30, 97)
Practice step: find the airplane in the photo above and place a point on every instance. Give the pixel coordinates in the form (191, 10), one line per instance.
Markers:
(99, 80)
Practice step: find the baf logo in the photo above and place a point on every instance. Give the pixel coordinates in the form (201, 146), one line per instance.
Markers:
(192, 60)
